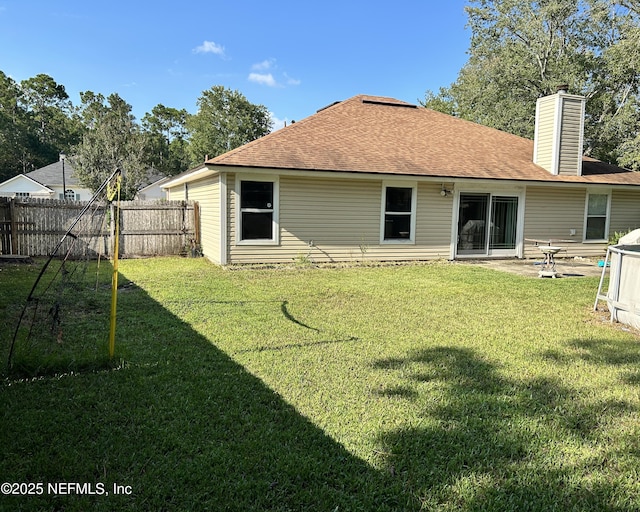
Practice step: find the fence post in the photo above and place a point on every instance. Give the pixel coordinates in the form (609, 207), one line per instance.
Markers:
(13, 225)
(196, 221)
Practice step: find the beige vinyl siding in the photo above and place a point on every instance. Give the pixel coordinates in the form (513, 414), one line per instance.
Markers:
(544, 137)
(570, 155)
(551, 213)
(207, 194)
(558, 138)
(342, 218)
(625, 211)
(433, 220)
(176, 193)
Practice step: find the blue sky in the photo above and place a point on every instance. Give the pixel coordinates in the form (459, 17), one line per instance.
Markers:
(293, 57)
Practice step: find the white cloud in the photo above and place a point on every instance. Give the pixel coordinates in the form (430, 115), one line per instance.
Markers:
(292, 81)
(264, 65)
(263, 79)
(262, 74)
(210, 47)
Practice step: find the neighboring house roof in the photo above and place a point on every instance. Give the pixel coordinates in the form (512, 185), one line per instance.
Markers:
(159, 182)
(52, 175)
(152, 187)
(31, 184)
(153, 177)
(373, 134)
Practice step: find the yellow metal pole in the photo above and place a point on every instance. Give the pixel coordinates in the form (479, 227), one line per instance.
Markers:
(114, 278)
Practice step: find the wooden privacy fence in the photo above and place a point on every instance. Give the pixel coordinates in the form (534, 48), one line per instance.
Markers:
(33, 227)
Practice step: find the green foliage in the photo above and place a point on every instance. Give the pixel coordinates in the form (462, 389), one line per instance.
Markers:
(37, 122)
(441, 102)
(225, 120)
(615, 238)
(523, 50)
(303, 260)
(112, 140)
(167, 139)
(55, 121)
(14, 138)
(630, 153)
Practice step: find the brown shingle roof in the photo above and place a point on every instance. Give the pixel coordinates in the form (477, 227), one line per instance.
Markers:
(382, 135)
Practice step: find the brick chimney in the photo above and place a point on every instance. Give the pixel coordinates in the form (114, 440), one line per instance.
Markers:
(559, 131)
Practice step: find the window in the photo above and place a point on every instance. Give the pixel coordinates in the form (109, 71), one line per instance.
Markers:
(399, 205)
(596, 225)
(22, 194)
(257, 211)
(69, 195)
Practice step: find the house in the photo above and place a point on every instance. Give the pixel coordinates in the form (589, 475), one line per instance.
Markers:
(153, 189)
(381, 179)
(48, 182)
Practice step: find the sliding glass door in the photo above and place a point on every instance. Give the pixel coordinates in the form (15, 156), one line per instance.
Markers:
(472, 227)
(503, 228)
(487, 225)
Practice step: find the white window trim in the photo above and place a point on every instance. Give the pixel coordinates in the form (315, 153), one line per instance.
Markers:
(275, 240)
(413, 185)
(492, 190)
(601, 192)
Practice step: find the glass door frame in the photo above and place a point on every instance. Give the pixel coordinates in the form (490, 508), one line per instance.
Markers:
(492, 192)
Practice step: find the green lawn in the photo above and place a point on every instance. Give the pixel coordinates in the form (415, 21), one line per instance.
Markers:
(420, 387)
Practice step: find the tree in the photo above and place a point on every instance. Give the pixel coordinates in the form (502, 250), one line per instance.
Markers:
(112, 140)
(53, 121)
(225, 120)
(167, 139)
(37, 122)
(13, 128)
(522, 50)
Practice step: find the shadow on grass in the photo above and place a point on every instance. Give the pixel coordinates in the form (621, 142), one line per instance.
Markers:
(285, 311)
(288, 346)
(183, 425)
(614, 353)
(495, 443)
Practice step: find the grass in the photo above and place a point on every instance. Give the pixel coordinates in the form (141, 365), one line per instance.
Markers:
(66, 315)
(419, 387)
